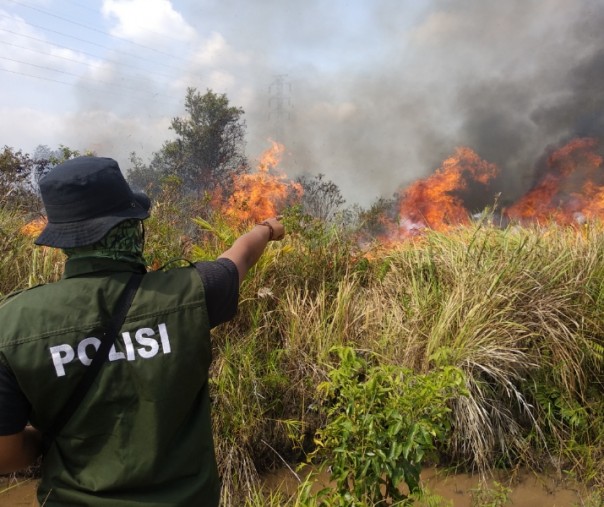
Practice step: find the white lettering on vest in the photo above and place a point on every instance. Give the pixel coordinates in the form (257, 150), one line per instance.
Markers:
(143, 337)
(129, 348)
(114, 355)
(64, 354)
(95, 342)
(165, 342)
(61, 354)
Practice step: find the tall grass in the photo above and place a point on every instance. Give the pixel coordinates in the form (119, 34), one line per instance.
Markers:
(519, 310)
(508, 307)
(23, 265)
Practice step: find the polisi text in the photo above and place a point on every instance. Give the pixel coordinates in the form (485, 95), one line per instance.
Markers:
(144, 345)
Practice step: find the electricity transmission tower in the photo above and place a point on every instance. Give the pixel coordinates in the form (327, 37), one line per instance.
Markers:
(279, 105)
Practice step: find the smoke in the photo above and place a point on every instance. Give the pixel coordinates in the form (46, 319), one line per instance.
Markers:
(377, 95)
(508, 79)
(581, 111)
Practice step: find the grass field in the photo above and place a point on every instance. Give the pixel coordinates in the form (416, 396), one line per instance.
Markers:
(518, 311)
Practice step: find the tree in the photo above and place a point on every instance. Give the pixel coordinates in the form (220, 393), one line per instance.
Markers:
(20, 173)
(143, 177)
(321, 198)
(16, 172)
(209, 145)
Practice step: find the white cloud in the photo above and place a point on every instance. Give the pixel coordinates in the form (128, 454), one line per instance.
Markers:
(215, 64)
(144, 20)
(221, 80)
(211, 51)
(28, 51)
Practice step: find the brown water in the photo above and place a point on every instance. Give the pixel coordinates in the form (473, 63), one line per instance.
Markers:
(528, 489)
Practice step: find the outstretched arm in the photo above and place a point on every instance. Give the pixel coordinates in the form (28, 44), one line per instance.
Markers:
(248, 248)
(20, 450)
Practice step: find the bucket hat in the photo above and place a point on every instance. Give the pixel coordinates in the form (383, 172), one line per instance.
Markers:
(86, 197)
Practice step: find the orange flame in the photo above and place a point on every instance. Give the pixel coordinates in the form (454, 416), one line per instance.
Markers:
(571, 190)
(436, 202)
(33, 228)
(263, 194)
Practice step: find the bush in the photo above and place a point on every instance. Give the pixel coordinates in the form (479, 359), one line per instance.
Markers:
(382, 422)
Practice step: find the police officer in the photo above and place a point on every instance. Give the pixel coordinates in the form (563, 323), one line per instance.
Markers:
(141, 433)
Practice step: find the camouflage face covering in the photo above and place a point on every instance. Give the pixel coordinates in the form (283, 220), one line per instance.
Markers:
(122, 243)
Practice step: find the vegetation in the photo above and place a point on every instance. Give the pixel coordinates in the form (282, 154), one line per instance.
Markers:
(381, 422)
(480, 348)
(207, 151)
(322, 198)
(16, 169)
(517, 312)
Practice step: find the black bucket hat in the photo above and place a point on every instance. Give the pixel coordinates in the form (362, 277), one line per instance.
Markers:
(86, 197)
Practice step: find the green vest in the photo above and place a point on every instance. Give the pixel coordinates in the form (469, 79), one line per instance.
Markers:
(142, 435)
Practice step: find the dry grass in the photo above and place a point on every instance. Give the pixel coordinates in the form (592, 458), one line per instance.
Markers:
(518, 310)
(22, 264)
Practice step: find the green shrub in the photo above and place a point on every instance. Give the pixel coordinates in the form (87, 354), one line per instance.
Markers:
(382, 422)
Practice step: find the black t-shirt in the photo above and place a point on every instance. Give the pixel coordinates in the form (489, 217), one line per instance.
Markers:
(221, 284)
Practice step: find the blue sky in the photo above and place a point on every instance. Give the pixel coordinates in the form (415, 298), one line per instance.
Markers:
(380, 91)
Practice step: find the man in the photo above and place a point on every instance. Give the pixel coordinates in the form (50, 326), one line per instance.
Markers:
(141, 434)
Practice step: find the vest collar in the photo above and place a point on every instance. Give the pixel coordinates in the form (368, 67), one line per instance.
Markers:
(91, 265)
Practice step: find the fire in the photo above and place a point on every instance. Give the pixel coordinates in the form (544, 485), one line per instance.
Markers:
(571, 190)
(436, 202)
(257, 196)
(33, 228)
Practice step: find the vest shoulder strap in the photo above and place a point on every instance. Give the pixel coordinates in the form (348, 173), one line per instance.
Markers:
(100, 357)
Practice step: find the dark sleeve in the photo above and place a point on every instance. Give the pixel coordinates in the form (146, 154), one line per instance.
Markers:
(14, 407)
(221, 283)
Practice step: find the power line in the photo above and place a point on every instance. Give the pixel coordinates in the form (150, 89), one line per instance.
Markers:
(155, 62)
(82, 6)
(95, 30)
(115, 62)
(111, 90)
(90, 9)
(49, 54)
(113, 85)
(101, 90)
(37, 77)
(39, 66)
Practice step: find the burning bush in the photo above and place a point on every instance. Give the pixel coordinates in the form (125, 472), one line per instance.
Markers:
(265, 193)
